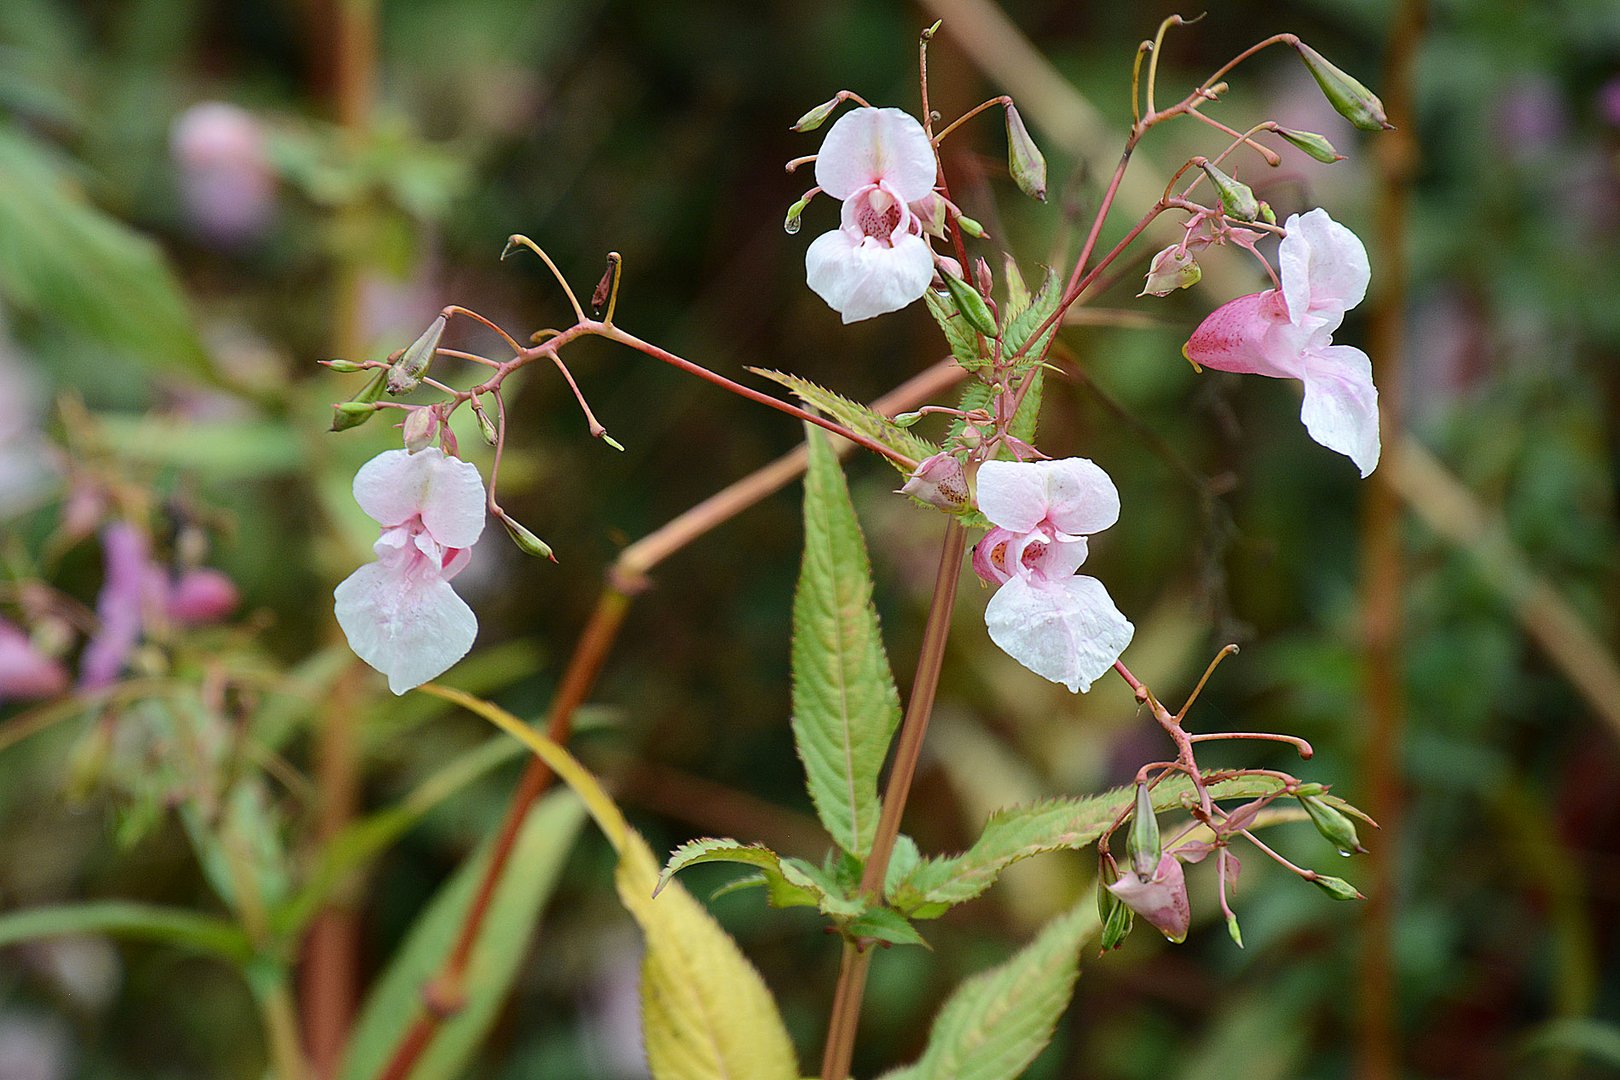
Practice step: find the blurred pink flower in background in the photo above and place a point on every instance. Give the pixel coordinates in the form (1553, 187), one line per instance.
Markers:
(225, 178)
(26, 673)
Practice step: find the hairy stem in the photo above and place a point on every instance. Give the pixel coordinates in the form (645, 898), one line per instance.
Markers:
(908, 750)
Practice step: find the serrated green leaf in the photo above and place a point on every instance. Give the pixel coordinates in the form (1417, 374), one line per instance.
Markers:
(75, 266)
(855, 416)
(138, 922)
(543, 845)
(1021, 326)
(998, 1021)
(787, 882)
(1063, 824)
(1029, 410)
(706, 1014)
(845, 705)
(881, 924)
(959, 335)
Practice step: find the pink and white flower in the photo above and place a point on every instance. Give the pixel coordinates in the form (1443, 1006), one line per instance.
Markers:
(877, 161)
(399, 613)
(1061, 626)
(1287, 333)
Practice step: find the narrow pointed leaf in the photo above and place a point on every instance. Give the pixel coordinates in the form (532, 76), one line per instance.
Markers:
(787, 881)
(845, 705)
(133, 921)
(855, 416)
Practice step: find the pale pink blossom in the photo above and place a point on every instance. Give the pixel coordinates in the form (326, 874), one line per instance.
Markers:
(1287, 333)
(26, 673)
(399, 612)
(877, 162)
(1160, 897)
(225, 176)
(1061, 626)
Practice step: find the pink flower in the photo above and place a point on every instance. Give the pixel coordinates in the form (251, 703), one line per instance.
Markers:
(1062, 627)
(1161, 898)
(120, 606)
(877, 161)
(201, 596)
(1287, 333)
(399, 612)
(25, 672)
(225, 175)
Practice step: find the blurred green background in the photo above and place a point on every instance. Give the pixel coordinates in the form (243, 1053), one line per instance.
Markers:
(170, 271)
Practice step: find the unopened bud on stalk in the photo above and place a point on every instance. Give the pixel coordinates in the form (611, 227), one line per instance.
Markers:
(1234, 931)
(1267, 214)
(448, 442)
(1117, 919)
(1024, 159)
(357, 410)
(1338, 888)
(526, 541)
(406, 373)
(419, 428)
(1348, 97)
(1173, 268)
(1313, 144)
(791, 223)
(343, 367)
(939, 481)
(971, 438)
(905, 419)
(1335, 827)
(1237, 200)
(971, 305)
(981, 276)
(816, 116)
(1146, 848)
(970, 227)
(485, 427)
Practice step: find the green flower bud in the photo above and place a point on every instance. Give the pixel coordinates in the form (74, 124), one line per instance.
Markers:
(1117, 919)
(343, 367)
(1237, 199)
(485, 427)
(970, 227)
(419, 428)
(406, 373)
(1146, 848)
(792, 223)
(526, 541)
(1348, 97)
(1334, 826)
(1024, 158)
(1313, 144)
(1338, 888)
(816, 116)
(971, 305)
(357, 410)
(1232, 929)
(1171, 269)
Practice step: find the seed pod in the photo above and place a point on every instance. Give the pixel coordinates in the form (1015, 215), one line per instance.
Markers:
(1146, 848)
(971, 305)
(357, 410)
(1237, 199)
(406, 373)
(816, 116)
(1348, 97)
(1334, 826)
(1338, 888)
(526, 541)
(1313, 144)
(1024, 158)
(343, 367)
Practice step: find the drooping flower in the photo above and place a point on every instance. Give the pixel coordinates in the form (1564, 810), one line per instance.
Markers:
(1061, 626)
(877, 162)
(399, 612)
(1287, 333)
(1160, 897)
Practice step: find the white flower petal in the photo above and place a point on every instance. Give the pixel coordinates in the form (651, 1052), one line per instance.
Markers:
(1324, 268)
(410, 629)
(1341, 404)
(866, 146)
(860, 279)
(1080, 497)
(1067, 631)
(448, 493)
(1012, 494)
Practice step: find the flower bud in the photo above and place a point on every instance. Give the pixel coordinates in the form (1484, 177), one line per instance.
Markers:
(1234, 931)
(939, 481)
(1334, 826)
(1313, 144)
(342, 367)
(448, 442)
(1024, 158)
(1348, 97)
(971, 305)
(357, 410)
(931, 211)
(816, 116)
(25, 671)
(981, 276)
(526, 541)
(970, 227)
(1173, 268)
(1117, 919)
(791, 223)
(202, 596)
(1146, 849)
(419, 428)
(905, 419)
(407, 371)
(1237, 200)
(1160, 897)
(1338, 888)
(485, 427)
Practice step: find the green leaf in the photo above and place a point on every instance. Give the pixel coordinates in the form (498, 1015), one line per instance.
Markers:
(964, 342)
(542, 847)
(706, 1013)
(139, 922)
(856, 417)
(74, 266)
(1024, 324)
(881, 924)
(788, 882)
(999, 1020)
(845, 705)
(1029, 410)
(940, 883)
(215, 450)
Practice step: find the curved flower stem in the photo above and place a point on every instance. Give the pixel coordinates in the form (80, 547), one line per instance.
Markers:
(1003, 101)
(847, 997)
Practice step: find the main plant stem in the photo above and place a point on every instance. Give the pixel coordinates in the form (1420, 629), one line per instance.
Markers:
(851, 988)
